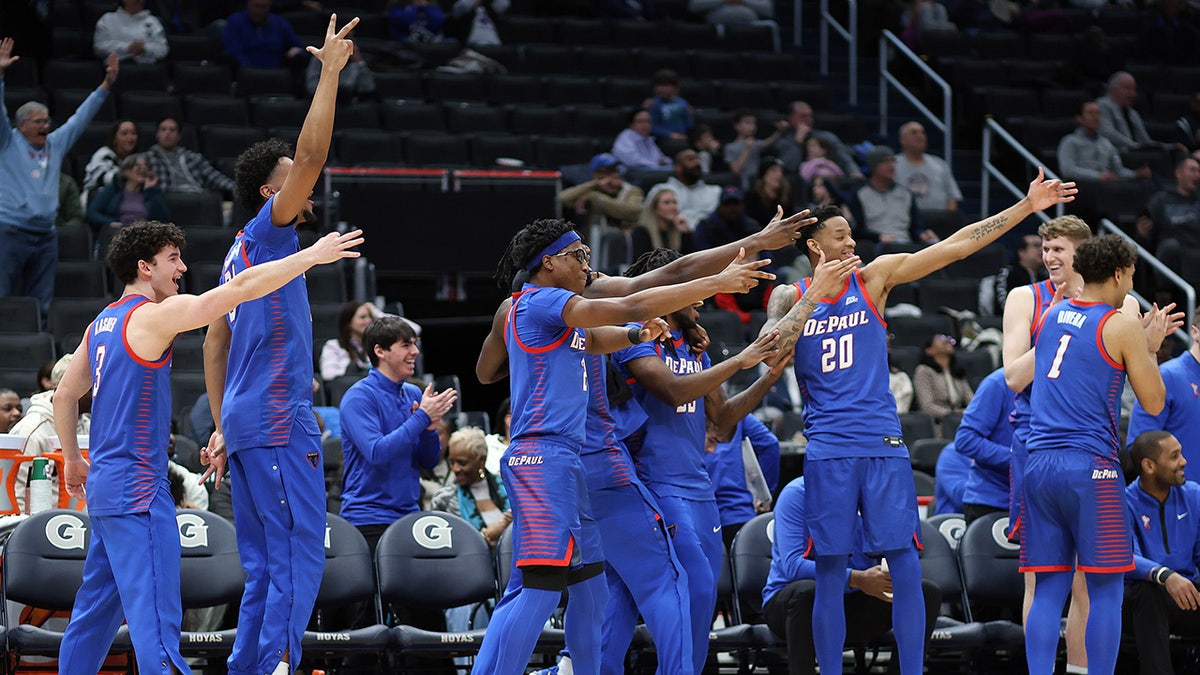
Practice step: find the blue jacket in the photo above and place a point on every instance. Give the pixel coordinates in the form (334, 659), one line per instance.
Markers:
(788, 563)
(106, 207)
(1164, 534)
(985, 436)
(259, 46)
(669, 117)
(29, 177)
(385, 444)
(1181, 375)
(728, 473)
(952, 471)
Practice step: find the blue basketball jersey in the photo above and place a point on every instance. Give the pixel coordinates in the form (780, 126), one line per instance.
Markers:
(1077, 385)
(670, 458)
(131, 417)
(1043, 295)
(605, 458)
(269, 378)
(841, 367)
(547, 368)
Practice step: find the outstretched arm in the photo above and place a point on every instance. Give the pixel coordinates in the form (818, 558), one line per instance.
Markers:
(608, 339)
(675, 390)
(725, 412)
(787, 316)
(492, 365)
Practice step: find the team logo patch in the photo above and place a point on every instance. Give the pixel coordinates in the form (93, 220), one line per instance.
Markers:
(66, 531)
(314, 458)
(193, 531)
(1195, 390)
(1146, 522)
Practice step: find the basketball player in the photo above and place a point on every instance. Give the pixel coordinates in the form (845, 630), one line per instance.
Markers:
(856, 460)
(127, 370)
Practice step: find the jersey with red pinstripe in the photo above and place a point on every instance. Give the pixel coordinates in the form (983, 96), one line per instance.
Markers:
(606, 459)
(1077, 385)
(270, 372)
(131, 416)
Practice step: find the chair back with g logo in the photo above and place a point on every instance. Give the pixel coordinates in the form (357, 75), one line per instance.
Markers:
(210, 571)
(43, 567)
(434, 560)
(990, 565)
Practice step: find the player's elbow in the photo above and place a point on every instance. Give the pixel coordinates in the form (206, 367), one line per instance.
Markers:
(1154, 404)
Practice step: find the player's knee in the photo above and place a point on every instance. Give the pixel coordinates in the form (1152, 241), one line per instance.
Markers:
(588, 571)
(545, 577)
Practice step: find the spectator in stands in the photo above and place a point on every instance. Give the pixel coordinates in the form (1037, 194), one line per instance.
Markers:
(939, 382)
(635, 147)
(817, 162)
(822, 192)
(70, 203)
(415, 21)
(670, 114)
(769, 192)
(743, 153)
(10, 410)
(345, 355)
(44, 382)
(900, 384)
(985, 437)
(952, 471)
(606, 199)
(134, 196)
(38, 425)
(1176, 214)
(1160, 593)
(30, 166)
(440, 475)
(182, 170)
(1088, 154)
(388, 431)
(660, 225)
(256, 38)
(696, 199)
(1189, 124)
(355, 83)
(791, 587)
(923, 16)
(1028, 269)
(104, 167)
(728, 223)
(884, 210)
(926, 176)
(795, 132)
(1169, 34)
(477, 496)
(705, 144)
(131, 32)
(1119, 122)
(724, 461)
(498, 442)
(473, 22)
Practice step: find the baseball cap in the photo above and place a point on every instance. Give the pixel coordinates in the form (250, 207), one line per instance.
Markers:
(604, 160)
(731, 194)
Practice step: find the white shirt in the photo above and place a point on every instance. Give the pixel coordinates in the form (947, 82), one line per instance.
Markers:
(116, 29)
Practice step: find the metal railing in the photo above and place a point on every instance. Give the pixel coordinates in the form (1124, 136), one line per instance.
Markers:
(1164, 273)
(849, 34)
(992, 129)
(887, 42)
(797, 23)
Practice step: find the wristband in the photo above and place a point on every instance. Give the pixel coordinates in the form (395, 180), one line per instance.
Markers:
(1159, 575)
(635, 335)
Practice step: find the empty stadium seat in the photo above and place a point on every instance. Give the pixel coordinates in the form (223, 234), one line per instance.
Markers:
(363, 146)
(201, 78)
(195, 209)
(466, 118)
(487, 148)
(281, 111)
(436, 150)
(536, 119)
(20, 351)
(263, 82)
(413, 116)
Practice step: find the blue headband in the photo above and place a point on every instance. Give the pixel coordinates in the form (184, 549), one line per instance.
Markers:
(569, 237)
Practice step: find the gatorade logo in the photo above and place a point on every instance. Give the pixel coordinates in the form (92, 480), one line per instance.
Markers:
(193, 531)
(65, 531)
(771, 531)
(432, 532)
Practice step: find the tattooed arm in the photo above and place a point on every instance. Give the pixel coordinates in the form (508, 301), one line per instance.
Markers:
(787, 315)
(890, 270)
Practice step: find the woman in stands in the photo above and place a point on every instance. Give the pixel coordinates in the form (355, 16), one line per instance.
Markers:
(105, 165)
(344, 354)
(134, 196)
(939, 382)
(477, 496)
(661, 225)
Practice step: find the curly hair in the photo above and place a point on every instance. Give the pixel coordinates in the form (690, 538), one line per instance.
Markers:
(822, 214)
(652, 260)
(140, 241)
(524, 245)
(1099, 258)
(254, 168)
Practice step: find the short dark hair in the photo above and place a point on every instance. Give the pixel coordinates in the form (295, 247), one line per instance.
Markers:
(384, 332)
(633, 115)
(652, 260)
(742, 113)
(524, 245)
(822, 214)
(170, 118)
(254, 168)
(666, 76)
(116, 126)
(1099, 258)
(1083, 104)
(140, 241)
(1148, 445)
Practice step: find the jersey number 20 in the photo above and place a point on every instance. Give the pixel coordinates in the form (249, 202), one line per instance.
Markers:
(837, 354)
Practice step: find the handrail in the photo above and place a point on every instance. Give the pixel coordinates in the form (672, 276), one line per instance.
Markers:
(797, 22)
(1145, 256)
(850, 35)
(992, 127)
(943, 123)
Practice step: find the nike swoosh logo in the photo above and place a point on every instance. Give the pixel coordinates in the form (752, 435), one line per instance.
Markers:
(1181, 516)
(718, 528)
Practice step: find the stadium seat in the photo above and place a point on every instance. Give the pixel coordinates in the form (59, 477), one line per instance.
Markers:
(186, 387)
(203, 109)
(446, 87)
(363, 146)
(989, 564)
(474, 418)
(411, 116)
(348, 578)
(539, 119)
(713, 64)
(201, 78)
(651, 60)
(683, 35)
(191, 48)
(253, 82)
(190, 210)
(521, 29)
(735, 94)
(549, 59)
(487, 148)
(915, 425)
(436, 150)
(960, 294)
(203, 276)
(924, 453)
(69, 74)
(464, 118)
(64, 102)
(209, 244)
(514, 88)
(407, 86)
(594, 120)
(360, 115)
(26, 350)
(592, 32)
(556, 151)
(219, 142)
(21, 315)
(278, 111)
(187, 355)
(151, 77)
(326, 283)
(607, 62)
(72, 316)
(81, 279)
(338, 387)
(573, 90)
(747, 37)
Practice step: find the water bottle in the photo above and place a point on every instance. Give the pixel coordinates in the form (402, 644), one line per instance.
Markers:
(756, 483)
(39, 487)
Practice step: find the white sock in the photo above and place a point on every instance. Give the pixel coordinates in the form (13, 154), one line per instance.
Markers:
(565, 667)
(284, 668)
(1073, 669)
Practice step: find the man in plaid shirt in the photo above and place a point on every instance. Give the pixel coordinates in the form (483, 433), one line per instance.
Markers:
(182, 170)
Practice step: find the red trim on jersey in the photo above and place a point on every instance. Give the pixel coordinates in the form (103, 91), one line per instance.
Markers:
(162, 360)
(1049, 568)
(808, 549)
(1100, 341)
(630, 380)
(1014, 530)
(867, 296)
(917, 541)
(1040, 307)
(807, 281)
(551, 562)
(532, 350)
(1104, 569)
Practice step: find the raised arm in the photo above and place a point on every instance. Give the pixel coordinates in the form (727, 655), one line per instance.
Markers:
(891, 270)
(675, 390)
(788, 316)
(1137, 342)
(312, 147)
(727, 411)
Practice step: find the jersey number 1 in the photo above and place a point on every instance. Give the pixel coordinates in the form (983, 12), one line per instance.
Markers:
(837, 354)
(1056, 367)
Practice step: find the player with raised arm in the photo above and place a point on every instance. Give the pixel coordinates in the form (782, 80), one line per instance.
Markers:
(258, 367)
(856, 459)
(127, 370)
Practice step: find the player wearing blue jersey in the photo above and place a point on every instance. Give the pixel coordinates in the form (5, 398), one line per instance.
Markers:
(258, 369)
(856, 457)
(555, 543)
(1074, 506)
(127, 370)
(1161, 598)
(1182, 378)
(985, 437)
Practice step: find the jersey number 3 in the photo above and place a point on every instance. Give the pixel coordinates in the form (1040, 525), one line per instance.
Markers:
(837, 354)
(100, 349)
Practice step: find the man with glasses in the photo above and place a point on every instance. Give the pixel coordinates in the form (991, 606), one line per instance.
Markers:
(30, 159)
